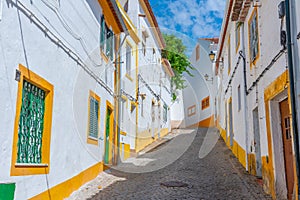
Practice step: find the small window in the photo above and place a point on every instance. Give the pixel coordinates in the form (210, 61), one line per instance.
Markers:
(253, 36)
(144, 42)
(191, 110)
(205, 103)
(128, 59)
(94, 118)
(237, 35)
(197, 52)
(229, 55)
(106, 40)
(165, 113)
(123, 109)
(239, 98)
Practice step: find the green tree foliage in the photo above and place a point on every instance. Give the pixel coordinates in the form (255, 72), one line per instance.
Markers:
(175, 53)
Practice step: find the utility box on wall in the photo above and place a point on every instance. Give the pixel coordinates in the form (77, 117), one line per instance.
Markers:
(7, 191)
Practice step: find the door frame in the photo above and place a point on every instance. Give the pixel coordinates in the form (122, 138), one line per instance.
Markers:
(271, 92)
(108, 155)
(257, 147)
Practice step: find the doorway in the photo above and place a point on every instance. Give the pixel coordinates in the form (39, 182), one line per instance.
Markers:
(230, 124)
(108, 135)
(287, 147)
(153, 119)
(257, 142)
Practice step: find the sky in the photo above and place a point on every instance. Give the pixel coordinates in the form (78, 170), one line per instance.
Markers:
(189, 19)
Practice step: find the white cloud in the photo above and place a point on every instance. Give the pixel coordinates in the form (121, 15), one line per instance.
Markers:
(192, 17)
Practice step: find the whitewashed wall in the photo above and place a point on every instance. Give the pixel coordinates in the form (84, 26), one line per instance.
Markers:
(197, 87)
(21, 42)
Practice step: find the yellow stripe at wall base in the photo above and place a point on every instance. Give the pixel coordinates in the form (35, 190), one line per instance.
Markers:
(66, 188)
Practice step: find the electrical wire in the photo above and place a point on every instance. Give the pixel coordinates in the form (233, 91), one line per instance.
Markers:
(48, 33)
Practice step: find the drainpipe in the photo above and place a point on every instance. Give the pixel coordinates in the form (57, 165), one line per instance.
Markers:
(242, 54)
(118, 96)
(292, 90)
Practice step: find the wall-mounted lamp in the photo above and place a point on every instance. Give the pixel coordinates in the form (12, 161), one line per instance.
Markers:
(143, 95)
(207, 78)
(212, 56)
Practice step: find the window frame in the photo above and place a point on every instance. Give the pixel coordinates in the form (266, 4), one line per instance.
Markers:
(91, 139)
(191, 110)
(253, 60)
(129, 67)
(205, 103)
(239, 98)
(20, 169)
(237, 36)
(106, 41)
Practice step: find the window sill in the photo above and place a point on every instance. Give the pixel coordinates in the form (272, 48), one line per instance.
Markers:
(31, 165)
(92, 140)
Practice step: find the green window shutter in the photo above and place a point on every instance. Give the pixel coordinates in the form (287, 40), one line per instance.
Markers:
(94, 115)
(31, 124)
(102, 33)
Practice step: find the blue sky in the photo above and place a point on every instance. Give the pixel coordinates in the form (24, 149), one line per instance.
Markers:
(189, 19)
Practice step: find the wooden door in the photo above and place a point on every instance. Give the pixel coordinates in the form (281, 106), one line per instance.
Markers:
(287, 147)
(257, 142)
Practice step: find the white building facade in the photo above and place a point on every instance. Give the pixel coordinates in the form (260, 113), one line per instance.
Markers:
(253, 95)
(64, 67)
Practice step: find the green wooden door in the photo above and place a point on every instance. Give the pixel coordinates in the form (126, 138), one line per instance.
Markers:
(106, 159)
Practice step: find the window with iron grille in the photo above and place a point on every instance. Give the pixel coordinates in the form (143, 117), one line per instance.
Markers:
(94, 117)
(106, 39)
(31, 124)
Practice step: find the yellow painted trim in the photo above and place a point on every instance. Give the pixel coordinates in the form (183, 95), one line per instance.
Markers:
(275, 88)
(208, 122)
(129, 77)
(91, 140)
(126, 151)
(238, 29)
(67, 187)
(129, 24)
(229, 55)
(123, 133)
(152, 25)
(109, 16)
(112, 131)
(27, 74)
(136, 92)
(105, 58)
(258, 49)
(239, 152)
(203, 103)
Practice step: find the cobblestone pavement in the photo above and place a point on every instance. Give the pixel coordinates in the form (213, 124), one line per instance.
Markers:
(216, 176)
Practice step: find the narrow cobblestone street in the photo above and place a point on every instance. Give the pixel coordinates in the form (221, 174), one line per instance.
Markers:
(217, 176)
